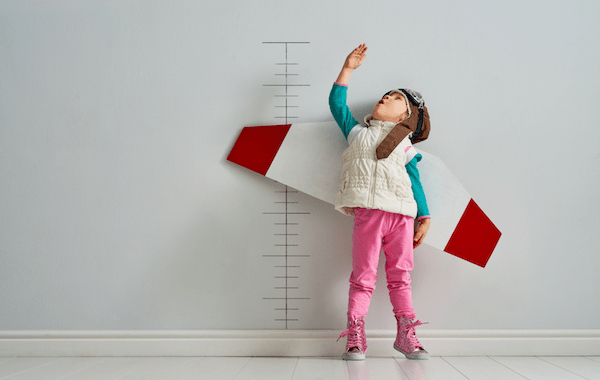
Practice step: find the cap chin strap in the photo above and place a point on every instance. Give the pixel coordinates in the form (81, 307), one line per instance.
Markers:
(420, 104)
(399, 133)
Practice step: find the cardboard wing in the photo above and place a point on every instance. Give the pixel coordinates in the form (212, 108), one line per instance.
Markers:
(307, 157)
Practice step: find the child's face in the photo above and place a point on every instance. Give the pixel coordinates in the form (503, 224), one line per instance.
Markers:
(391, 108)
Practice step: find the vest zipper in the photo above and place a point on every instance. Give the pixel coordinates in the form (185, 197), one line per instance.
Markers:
(371, 200)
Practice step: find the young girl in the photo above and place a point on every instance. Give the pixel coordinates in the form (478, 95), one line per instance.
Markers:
(380, 186)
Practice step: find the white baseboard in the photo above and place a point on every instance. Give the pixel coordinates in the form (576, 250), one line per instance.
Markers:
(293, 343)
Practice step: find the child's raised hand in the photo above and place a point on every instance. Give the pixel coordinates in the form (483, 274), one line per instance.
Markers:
(356, 58)
(353, 60)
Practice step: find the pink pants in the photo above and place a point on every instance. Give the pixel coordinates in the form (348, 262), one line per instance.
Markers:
(374, 230)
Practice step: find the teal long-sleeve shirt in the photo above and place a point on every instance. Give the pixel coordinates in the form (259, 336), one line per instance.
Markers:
(343, 117)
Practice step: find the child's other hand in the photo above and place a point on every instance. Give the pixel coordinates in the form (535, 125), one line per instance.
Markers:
(356, 58)
(421, 232)
(349, 210)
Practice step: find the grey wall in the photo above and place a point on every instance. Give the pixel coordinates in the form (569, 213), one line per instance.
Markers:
(118, 209)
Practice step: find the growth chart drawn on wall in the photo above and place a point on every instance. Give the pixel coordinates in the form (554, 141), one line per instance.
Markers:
(286, 216)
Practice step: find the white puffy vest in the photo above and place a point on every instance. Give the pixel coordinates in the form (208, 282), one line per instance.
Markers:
(376, 184)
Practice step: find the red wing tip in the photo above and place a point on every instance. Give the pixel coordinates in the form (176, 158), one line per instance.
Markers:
(256, 147)
(475, 236)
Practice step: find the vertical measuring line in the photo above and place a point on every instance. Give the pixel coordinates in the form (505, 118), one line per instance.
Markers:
(287, 191)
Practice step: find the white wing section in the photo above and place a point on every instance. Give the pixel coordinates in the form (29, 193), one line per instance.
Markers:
(447, 199)
(310, 159)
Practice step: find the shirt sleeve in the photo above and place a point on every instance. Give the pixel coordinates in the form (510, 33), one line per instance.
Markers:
(417, 187)
(340, 111)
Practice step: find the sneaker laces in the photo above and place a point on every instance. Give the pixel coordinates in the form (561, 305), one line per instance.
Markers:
(355, 335)
(411, 334)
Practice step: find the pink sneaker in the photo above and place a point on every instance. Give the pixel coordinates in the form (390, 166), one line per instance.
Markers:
(356, 345)
(406, 340)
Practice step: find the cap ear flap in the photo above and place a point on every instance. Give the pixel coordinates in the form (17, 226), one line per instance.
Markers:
(425, 125)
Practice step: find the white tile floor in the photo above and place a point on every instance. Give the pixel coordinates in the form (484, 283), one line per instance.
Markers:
(230, 368)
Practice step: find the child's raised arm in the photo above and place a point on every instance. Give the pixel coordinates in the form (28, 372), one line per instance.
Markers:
(353, 61)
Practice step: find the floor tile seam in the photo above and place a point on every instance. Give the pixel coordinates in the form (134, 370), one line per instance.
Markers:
(505, 366)
(564, 369)
(395, 358)
(200, 360)
(348, 369)
(456, 369)
(133, 369)
(295, 366)
(241, 369)
(84, 368)
(244, 366)
(12, 358)
(28, 369)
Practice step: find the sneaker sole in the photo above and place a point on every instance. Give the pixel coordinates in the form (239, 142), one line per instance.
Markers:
(413, 356)
(354, 356)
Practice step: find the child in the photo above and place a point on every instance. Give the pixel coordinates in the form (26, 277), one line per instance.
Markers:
(380, 186)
